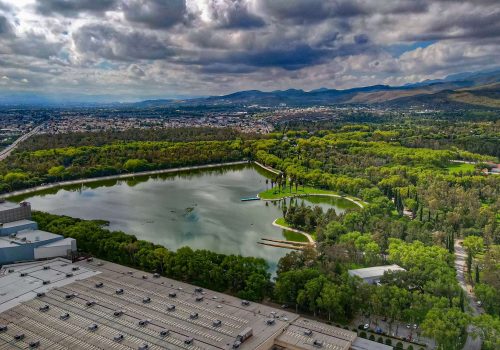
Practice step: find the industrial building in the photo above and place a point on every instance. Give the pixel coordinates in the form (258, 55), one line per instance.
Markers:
(93, 304)
(372, 275)
(21, 240)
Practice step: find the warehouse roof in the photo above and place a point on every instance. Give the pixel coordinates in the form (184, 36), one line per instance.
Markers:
(30, 236)
(147, 306)
(376, 271)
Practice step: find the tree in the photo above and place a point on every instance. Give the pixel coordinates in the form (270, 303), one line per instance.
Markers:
(445, 326)
(487, 327)
(473, 244)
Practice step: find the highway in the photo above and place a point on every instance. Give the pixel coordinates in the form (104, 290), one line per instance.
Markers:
(7, 151)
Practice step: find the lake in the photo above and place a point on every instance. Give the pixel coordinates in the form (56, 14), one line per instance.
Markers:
(201, 209)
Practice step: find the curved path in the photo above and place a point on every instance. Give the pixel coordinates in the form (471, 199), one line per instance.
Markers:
(307, 235)
(117, 177)
(355, 201)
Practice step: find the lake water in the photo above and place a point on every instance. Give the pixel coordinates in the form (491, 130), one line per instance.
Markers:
(201, 209)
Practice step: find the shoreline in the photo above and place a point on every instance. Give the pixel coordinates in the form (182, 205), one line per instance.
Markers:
(117, 177)
(307, 235)
(355, 201)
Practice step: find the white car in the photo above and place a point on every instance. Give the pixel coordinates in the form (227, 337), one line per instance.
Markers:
(366, 326)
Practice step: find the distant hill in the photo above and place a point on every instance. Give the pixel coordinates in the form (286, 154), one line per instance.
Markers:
(465, 89)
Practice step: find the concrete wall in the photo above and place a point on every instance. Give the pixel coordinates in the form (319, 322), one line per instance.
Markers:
(22, 252)
(23, 212)
(55, 251)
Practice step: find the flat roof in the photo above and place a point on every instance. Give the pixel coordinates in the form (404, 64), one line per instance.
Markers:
(15, 288)
(30, 236)
(375, 271)
(54, 333)
(17, 223)
(61, 242)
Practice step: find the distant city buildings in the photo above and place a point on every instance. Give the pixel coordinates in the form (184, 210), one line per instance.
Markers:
(21, 240)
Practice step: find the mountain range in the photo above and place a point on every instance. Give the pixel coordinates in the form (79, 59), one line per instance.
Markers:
(464, 90)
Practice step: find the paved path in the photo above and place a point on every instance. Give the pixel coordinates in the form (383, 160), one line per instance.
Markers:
(117, 177)
(460, 266)
(7, 151)
(308, 236)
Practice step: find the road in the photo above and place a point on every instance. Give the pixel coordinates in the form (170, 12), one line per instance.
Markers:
(460, 266)
(7, 151)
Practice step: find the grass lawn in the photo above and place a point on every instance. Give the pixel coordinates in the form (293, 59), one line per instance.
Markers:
(278, 194)
(293, 236)
(455, 168)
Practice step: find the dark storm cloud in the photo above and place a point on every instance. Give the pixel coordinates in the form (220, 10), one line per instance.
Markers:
(155, 13)
(6, 29)
(74, 7)
(307, 11)
(106, 42)
(234, 14)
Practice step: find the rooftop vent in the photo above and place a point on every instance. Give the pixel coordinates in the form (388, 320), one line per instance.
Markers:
(118, 313)
(23, 274)
(70, 296)
(64, 316)
(318, 343)
(11, 270)
(75, 268)
(19, 336)
(236, 344)
(34, 344)
(118, 338)
(119, 291)
(3, 328)
(40, 294)
(270, 321)
(245, 302)
(217, 323)
(90, 303)
(144, 277)
(69, 274)
(99, 285)
(198, 290)
(146, 300)
(170, 307)
(143, 347)
(172, 294)
(156, 275)
(44, 308)
(45, 282)
(199, 298)
(193, 315)
(308, 332)
(93, 327)
(164, 333)
(188, 341)
(46, 267)
(143, 323)
(90, 259)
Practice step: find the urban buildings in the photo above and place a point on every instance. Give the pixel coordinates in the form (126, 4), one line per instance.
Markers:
(21, 240)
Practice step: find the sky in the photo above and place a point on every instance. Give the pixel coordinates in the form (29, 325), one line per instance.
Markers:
(173, 48)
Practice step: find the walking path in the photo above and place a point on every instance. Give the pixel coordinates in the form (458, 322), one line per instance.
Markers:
(268, 168)
(460, 266)
(307, 235)
(117, 177)
(355, 201)
(7, 151)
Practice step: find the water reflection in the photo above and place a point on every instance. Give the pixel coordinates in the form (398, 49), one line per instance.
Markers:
(200, 209)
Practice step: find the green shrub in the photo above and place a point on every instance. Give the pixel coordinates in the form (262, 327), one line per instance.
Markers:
(380, 340)
(372, 337)
(388, 341)
(399, 345)
(362, 334)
